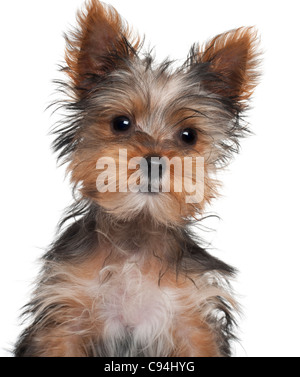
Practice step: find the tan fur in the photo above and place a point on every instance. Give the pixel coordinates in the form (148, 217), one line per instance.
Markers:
(100, 31)
(233, 55)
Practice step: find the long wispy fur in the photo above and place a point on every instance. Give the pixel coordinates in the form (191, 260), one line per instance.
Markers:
(126, 276)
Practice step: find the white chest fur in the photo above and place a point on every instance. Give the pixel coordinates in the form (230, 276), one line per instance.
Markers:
(134, 309)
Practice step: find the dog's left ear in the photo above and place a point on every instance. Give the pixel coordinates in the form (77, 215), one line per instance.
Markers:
(229, 64)
(99, 45)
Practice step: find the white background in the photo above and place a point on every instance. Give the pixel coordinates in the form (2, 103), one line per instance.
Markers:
(259, 230)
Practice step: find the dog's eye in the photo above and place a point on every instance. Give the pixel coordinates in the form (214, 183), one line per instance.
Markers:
(121, 124)
(189, 136)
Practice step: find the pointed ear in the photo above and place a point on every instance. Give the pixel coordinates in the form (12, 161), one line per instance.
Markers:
(232, 58)
(98, 45)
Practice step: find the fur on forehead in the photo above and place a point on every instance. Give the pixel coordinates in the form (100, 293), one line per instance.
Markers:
(147, 93)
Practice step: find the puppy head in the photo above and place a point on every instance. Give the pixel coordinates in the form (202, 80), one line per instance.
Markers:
(126, 112)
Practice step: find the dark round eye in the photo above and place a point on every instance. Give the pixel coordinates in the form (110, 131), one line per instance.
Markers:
(121, 124)
(189, 136)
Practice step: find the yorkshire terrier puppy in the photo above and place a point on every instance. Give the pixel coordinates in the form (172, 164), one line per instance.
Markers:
(126, 275)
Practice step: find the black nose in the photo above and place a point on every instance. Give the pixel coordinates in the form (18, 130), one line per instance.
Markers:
(155, 167)
(156, 170)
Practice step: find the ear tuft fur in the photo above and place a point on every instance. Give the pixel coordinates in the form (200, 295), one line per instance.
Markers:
(233, 59)
(99, 43)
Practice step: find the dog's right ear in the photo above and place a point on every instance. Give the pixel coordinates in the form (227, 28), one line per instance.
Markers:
(98, 46)
(232, 60)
